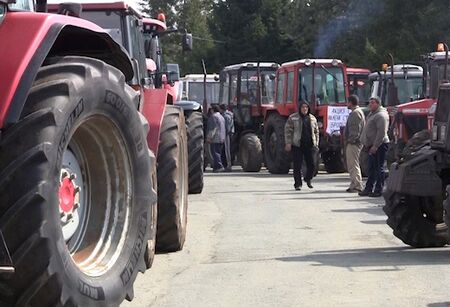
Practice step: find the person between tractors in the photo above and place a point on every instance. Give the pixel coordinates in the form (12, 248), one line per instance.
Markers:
(216, 137)
(375, 139)
(301, 134)
(353, 131)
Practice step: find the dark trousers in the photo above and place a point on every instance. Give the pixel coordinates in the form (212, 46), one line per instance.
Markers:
(216, 150)
(376, 170)
(298, 154)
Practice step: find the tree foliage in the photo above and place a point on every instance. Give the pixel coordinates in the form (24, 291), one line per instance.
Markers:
(360, 32)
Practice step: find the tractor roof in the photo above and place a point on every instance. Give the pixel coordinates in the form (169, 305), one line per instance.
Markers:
(199, 78)
(438, 55)
(99, 6)
(400, 70)
(251, 65)
(307, 62)
(357, 71)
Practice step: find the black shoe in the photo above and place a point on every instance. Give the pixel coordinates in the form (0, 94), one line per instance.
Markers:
(219, 170)
(375, 194)
(308, 183)
(364, 193)
(297, 188)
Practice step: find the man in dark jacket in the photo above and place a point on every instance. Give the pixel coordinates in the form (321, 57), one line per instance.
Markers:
(229, 131)
(216, 137)
(353, 132)
(375, 139)
(301, 134)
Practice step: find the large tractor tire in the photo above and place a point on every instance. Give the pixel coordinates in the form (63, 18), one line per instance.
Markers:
(278, 160)
(250, 153)
(196, 141)
(333, 162)
(75, 189)
(172, 182)
(417, 221)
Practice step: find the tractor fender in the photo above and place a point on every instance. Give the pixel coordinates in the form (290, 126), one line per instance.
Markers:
(47, 35)
(153, 107)
(187, 105)
(417, 176)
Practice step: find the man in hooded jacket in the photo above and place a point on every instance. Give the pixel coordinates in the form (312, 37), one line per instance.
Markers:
(301, 134)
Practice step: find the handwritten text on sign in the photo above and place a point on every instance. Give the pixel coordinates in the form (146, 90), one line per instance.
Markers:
(337, 118)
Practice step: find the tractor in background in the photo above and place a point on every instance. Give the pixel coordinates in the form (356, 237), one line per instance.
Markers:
(359, 83)
(417, 192)
(411, 122)
(248, 89)
(322, 83)
(167, 77)
(102, 180)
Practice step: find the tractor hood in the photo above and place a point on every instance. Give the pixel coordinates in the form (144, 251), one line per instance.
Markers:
(421, 106)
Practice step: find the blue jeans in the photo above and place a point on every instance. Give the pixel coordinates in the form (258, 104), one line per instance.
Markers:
(216, 150)
(376, 170)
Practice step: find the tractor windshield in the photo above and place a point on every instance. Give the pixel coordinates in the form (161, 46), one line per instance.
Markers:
(195, 92)
(328, 84)
(249, 86)
(408, 89)
(26, 5)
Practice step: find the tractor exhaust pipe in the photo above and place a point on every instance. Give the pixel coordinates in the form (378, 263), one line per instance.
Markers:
(445, 79)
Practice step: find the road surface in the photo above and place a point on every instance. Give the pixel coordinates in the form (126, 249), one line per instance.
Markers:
(255, 241)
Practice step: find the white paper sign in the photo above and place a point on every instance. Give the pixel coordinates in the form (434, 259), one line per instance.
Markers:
(337, 118)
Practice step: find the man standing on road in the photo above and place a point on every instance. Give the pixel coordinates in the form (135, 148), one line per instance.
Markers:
(229, 131)
(375, 139)
(216, 137)
(301, 134)
(353, 132)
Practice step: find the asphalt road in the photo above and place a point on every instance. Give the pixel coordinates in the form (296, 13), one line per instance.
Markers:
(254, 241)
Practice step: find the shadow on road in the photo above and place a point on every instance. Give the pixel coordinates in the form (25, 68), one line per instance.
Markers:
(374, 222)
(443, 304)
(388, 258)
(369, 210)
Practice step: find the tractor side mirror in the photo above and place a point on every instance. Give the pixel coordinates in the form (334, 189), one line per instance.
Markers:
(216, 78)
(272, 77)
(187, 42)
(173, 73)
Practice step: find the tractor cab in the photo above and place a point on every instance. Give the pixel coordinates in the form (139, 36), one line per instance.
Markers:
(407, 79)
(193, 88)
(409, 118)
(247, 88)
(359, 83)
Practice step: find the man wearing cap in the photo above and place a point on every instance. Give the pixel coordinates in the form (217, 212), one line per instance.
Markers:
(301, 134)
(375, 139)
(353, 130)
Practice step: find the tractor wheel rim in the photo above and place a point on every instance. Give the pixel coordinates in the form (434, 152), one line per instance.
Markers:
(183, 186)
(99, 163)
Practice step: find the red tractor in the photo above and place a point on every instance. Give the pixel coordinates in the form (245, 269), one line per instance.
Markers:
(79, 213)
(322, 84)
(358, 83)
(248, 88)
(413, 117)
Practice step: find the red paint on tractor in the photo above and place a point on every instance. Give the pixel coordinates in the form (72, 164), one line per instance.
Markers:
(153, 108)
(67, 195)
(20, 53)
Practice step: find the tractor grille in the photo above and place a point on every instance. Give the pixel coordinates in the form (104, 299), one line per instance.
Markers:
(415, 124)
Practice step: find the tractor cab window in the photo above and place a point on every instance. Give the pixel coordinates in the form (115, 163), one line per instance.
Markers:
(408, 89)
(196, 92)
(110, 21)
(328, 84)
(224, 96)
(280, 87)
(251, 90)
(25, 5)
(360, 87)
(290, 87)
